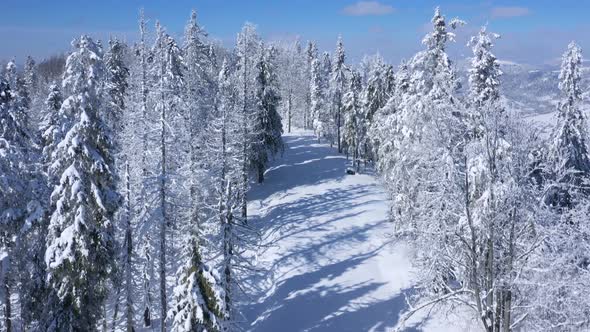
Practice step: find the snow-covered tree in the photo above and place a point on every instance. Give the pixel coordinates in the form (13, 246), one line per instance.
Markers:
(168, 73)
(19, 182)
(80, 249)
(311, 53)
(378, 90)
(568, 163)
(318, 112)
(30, 77)
(379, 86)
(144, 112)
(248, 49)
(200, 94)
(225, 147)
(291, 75)
(559, 270)
(338, 89)
(117, 84)
(267, 129)
(558, 273)
(355, 124)
(51, 127)
(33, 286)
(197, 300)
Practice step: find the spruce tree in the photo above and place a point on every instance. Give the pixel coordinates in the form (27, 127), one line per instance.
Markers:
(318, 113)
(80, 248)
(354, 120)
(568, 165)
(248, 50)
(168, 72)
(337, 89)
(19, 178)
(268, 128)
(117, 84)
(311, 53)
(198, 298)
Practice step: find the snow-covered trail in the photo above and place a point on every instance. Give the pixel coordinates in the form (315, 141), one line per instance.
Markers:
(330, 263)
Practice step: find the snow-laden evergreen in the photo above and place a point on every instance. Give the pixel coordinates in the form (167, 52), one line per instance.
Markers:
(567, 156)
(117, 85)
(355, 121)
(338, 82)
(80, 248)
(21, 198)
(268, 127)
(318, 112)
(292, 78)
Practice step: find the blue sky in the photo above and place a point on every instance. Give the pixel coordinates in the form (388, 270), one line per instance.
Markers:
(533, 32)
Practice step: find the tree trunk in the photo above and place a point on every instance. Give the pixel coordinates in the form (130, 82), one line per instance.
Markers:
(289, 113)
(338, 128)
(228, 254)
(7, 304)
(356, 158)
(129, 244)
(163, 299)
(144, 172)
(244, 199)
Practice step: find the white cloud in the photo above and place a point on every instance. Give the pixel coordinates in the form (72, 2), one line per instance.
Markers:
(365, 8)
(510, 11)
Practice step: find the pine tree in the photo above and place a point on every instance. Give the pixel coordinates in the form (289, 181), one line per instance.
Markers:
(16, 126)
(196, 297)
(117, 82)
(248, 49)
(198, 300)
(51, 127)
(323, 81)
(268, 128)
(337, 89)
(376, 93)
(320, 119)
(379, 87)
(168, 72)
(80, 253)
(225, 149)
(144, 113)
(33, 286)
(200, 87)
(19, 206)
(326, 71)
(30, 76)
(568, 164)
(292, 79)
(199, 297)
(354, 131)
(11, 212)
(311, 53)
(116, 88)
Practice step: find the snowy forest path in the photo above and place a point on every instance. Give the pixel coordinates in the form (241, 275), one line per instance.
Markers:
(328, 262)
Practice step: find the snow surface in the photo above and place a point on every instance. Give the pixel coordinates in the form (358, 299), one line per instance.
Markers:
(330, 262)
(546, 121)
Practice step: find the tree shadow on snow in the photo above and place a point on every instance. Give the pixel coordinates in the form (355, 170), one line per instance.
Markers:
(294, 293)
(304, 163)
(322, 307)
